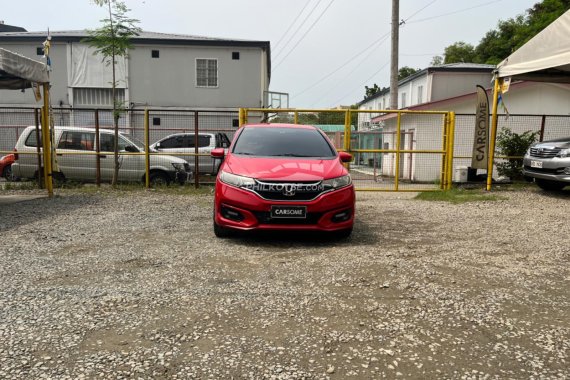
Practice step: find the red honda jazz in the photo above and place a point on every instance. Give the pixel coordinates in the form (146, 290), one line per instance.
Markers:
(283, 177)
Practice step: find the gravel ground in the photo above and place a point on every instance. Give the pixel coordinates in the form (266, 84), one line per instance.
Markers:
(135, 285)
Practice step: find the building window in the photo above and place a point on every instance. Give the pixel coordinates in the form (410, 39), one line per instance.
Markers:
(39, 51)
(235, 55)
(403, 100)
(156, 121)
(235, 123)
(420, 94)
(155, 54)
(207, 72)
(96, 96)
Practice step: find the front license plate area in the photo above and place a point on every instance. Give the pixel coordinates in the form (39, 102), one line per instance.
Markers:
(536, 164)
(298, 212)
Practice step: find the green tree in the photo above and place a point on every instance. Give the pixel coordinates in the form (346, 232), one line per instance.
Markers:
(514, 146)
(112, 40)
(406, 71)
(370, 91)
(436, 61)
(459, 52)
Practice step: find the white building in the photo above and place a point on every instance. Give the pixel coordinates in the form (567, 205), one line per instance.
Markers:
(429, 85)
(162, 70)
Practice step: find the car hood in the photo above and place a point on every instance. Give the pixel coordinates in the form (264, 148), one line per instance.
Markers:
(558, 143)
(284, 169)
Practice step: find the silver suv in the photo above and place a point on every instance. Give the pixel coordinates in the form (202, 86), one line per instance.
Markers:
(71, 142)
(548, 162)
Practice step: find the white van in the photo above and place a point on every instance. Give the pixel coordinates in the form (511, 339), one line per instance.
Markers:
(70, 164)
(181, 144)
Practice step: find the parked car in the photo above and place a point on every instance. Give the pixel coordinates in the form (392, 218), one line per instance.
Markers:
(70, 141)
(283, 177)
(6, 167)
(182, 144)
(548, 162)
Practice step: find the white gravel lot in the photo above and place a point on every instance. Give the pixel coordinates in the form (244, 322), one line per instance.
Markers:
(135, 285)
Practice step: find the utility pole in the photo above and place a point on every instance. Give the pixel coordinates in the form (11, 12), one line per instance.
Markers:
(394, 59)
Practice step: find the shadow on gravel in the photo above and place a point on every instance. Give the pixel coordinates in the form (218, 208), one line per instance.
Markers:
(19, 214)
(361, 235)
(560, 194)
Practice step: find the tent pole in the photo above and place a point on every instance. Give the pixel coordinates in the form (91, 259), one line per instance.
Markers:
(493, 136)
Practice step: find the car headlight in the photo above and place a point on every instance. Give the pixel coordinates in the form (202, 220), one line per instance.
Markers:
(564, 153)
(338, 182)
(179, 167)
(236, 180)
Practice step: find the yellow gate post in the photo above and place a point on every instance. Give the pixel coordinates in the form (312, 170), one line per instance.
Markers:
(398, 141)
(46, 143)
(347, 134)
(146, 150)
(444, 147)
(451, 142)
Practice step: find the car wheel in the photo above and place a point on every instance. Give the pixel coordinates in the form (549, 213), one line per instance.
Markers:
(343, 234)
(222, 232)
(159, 179)
(547, 185)
(7, 174)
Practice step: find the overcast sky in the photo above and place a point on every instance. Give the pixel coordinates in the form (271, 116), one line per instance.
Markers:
(328, 61)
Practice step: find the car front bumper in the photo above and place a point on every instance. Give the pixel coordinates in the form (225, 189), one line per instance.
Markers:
(553, 169)
(254, 212)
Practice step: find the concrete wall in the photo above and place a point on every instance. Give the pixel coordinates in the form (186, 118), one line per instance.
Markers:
(447, 85)
(170, 80)
(58, 76)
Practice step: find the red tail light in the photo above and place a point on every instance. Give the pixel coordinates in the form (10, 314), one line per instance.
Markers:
(15, 154)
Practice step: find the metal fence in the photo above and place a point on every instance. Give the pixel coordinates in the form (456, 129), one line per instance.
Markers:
(85, 152)
(407, 151)
(411, 152)
(547, 127)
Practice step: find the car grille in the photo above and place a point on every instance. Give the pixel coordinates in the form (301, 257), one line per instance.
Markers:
(544, 152)
(544, 170)
(264, 217)
(277, 191)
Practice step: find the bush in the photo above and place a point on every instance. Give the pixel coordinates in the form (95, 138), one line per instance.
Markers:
(513, 145)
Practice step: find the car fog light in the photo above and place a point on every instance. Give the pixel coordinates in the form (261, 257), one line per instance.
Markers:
(341, 216)
(228, 213)
(567, 170)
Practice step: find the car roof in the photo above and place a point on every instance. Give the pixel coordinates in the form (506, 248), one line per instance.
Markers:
(279, 125)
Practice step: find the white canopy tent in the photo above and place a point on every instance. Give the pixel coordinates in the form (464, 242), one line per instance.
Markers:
(18, 72)
(545, 58)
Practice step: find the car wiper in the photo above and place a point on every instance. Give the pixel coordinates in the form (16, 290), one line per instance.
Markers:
(246, 153)
(289, 155)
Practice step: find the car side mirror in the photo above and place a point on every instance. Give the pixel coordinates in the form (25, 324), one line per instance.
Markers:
(157, 146)
(131, 149)
(345, 157)
(218, 153)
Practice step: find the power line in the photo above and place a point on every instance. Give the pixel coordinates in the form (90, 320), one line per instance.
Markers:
(362, 84)
(298, 29)
(370, 46)
(293, 23)
(350, 60)
(338, 83)
(304, 35)
(454, 12)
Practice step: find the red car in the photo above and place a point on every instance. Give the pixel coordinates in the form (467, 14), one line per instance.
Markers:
(283, 177)
(6, 166)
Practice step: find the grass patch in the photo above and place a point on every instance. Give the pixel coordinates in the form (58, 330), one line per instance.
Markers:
(457, 196)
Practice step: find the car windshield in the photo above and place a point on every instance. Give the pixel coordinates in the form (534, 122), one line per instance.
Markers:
(136, 142)
(283, 142)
